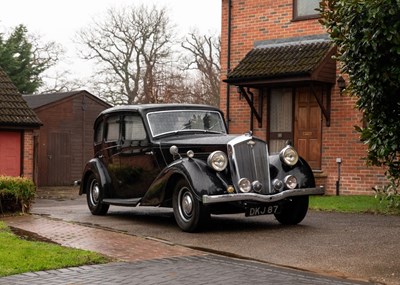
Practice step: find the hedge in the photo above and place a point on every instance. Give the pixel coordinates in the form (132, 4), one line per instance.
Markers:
(16, 194)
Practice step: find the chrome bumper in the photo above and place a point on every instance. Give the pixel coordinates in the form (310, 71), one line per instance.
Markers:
(207, 199)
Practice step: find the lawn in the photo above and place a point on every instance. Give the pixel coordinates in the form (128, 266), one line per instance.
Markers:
(18, 255)
(352, 204)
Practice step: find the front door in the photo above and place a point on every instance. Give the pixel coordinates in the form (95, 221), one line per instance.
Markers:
(294, 114)
(307, 127)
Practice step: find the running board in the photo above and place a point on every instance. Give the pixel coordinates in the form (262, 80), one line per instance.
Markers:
(123, 202)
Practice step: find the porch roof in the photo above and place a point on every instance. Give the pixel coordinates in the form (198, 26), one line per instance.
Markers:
(293, 61)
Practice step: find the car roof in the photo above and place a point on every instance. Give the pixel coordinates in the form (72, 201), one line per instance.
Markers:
(145, 108)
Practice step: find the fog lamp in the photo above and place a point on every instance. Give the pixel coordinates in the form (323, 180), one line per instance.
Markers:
(244, 185)
(290, 181)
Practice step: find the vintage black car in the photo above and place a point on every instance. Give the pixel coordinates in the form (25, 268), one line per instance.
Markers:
(181, 156)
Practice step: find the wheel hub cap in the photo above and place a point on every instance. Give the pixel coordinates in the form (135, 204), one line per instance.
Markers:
(95, 193)
(187, 204)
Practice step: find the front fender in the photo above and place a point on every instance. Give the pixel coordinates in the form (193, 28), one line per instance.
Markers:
(200, 177)
(302, 171)
(96, 167)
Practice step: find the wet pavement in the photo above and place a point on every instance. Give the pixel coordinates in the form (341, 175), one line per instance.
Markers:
(144, 261)
(141, 260)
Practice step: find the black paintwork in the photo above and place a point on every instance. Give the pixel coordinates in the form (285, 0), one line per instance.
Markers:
(146, 169)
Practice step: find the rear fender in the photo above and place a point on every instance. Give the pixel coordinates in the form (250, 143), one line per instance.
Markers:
(96, 167)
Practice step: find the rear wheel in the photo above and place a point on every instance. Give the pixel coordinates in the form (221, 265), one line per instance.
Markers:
(94, 196)
(293, 211)
(189, 212)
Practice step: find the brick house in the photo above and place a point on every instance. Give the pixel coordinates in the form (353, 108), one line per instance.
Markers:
(66, 137)
(19, 127)
(282, 83)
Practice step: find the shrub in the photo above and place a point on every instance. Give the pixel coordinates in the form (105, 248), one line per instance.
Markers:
(16, 194)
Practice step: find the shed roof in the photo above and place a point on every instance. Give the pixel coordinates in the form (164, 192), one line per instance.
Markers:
(14, 111)
(282, 60)
(40, 100)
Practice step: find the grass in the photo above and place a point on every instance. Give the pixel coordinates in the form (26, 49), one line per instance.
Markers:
(352, 204)
(18, 255)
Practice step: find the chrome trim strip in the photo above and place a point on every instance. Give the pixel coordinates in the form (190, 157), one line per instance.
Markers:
(207, 199)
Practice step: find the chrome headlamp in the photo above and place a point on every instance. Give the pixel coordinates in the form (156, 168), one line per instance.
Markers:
(217, 160)
(289, 155)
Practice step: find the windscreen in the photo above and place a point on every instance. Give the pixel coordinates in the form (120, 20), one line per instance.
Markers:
(185, 120)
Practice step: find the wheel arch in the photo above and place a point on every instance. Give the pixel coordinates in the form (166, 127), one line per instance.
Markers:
(198, 175)
(97, 168)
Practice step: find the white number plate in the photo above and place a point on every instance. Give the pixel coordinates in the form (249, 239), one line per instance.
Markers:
(261, 210)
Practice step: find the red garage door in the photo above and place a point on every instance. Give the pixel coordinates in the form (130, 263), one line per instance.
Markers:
(10, 153)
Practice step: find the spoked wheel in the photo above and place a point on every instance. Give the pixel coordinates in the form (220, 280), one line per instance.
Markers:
(189, 213)
(94, 197)
(294, 211)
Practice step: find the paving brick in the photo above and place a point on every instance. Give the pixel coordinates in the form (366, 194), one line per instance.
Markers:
(148, 262)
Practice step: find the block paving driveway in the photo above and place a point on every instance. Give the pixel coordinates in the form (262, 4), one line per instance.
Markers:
(145, 261)
(142, 252)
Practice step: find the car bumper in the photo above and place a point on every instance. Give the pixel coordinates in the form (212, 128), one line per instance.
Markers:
(254, 197)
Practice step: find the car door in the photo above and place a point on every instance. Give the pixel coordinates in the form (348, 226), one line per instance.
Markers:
(135, 166)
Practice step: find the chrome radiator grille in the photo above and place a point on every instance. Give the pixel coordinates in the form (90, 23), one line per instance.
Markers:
(249, 159)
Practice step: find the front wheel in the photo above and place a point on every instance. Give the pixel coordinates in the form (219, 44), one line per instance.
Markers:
(189, 212)
(94, 196)
(293, 211)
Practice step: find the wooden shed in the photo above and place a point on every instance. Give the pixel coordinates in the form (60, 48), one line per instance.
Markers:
(66, 138)
(18, 132)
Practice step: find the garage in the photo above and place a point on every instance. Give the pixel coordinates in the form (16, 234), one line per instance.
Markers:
(10, 153)
(19, 130)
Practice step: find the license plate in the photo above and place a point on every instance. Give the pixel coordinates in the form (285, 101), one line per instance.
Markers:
(261, 210)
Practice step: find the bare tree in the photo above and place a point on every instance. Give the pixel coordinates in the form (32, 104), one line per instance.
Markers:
(128, 46)
(204, 57)
(59, 81)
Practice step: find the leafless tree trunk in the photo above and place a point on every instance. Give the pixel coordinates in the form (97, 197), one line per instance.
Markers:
(128, 46)
(204, 56)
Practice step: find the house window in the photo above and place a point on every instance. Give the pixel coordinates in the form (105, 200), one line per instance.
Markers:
(305, 9)
(281, 118)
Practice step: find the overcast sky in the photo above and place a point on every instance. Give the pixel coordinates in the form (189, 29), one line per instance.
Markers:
(59, 20)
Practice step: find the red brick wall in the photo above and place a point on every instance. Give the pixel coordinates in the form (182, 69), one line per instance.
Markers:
(28, 154)
(258, 20)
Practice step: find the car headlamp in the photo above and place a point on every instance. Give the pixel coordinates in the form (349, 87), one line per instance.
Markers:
(217, 160)
(289, 155)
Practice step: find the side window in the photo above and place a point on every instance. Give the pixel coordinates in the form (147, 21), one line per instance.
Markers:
(305, 9)
(112, 128)
(98, 133)
(134, 128)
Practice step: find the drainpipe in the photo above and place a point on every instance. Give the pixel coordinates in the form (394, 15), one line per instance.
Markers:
(228, 65)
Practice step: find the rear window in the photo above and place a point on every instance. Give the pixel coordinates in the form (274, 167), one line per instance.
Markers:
(112, 128)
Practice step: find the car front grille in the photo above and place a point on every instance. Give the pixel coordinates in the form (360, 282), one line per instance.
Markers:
(249, 159)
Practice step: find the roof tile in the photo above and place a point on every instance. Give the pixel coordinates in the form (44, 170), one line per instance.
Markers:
(14, 111)
(280, 60)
